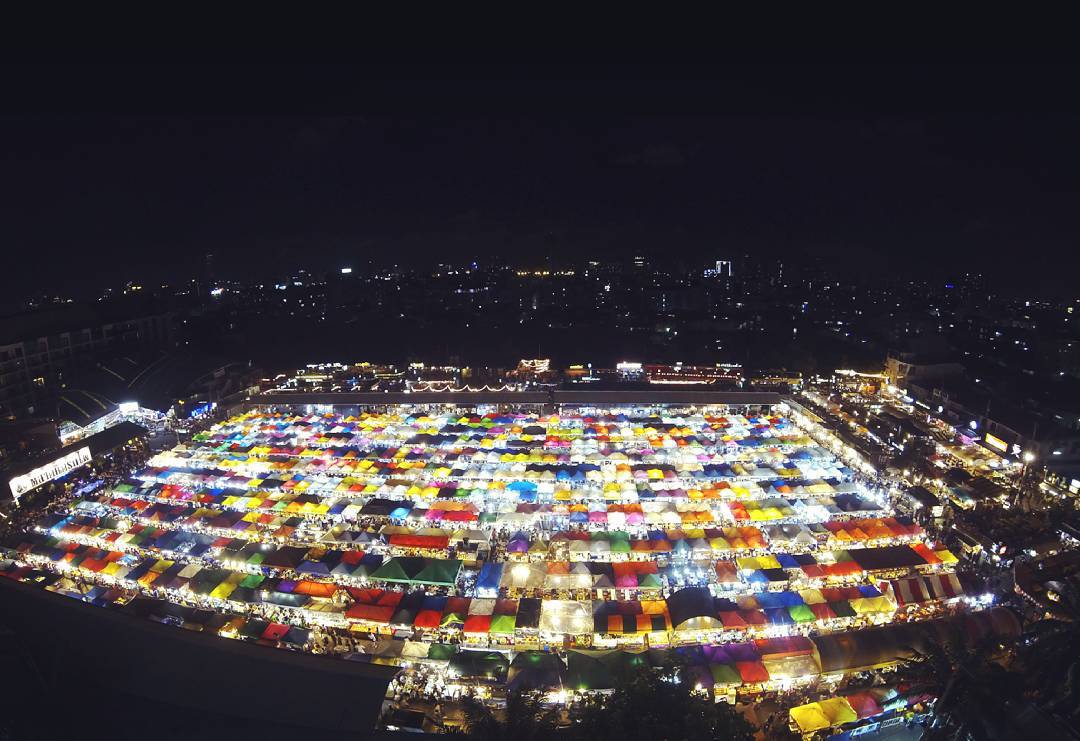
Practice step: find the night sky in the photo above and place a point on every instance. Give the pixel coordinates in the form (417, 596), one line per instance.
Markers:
(118, 173)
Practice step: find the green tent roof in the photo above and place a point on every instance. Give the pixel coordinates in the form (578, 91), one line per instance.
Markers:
(842, 609)
(587, 671)
(439, 571)
(625, 663)
(801, 614)
(252, 581)
(440, 651)
(503, 624)
(416, 570)
(649, 580)
(490, 664)
(400, 569)
(725, 674)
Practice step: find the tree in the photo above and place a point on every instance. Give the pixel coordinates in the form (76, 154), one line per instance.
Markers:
(525, 718)
(658, 703)
(974, 688)
(1051, 658)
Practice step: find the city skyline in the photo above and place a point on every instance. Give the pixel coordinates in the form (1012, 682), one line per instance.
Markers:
(570, 401)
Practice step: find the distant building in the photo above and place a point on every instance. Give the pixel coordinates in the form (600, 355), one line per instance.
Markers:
(22, 438)
(537, 370)
(1065, 478)
(694, 374)
(578, 371)
(1050, 584)
(722, 269)
(1004, 427)
(905, 367)
(37, 348)
(775, 379)
(536, 366)
(1006, 537)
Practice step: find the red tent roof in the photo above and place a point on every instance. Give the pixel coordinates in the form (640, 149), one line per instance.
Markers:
(752, 672)
(370, 613)
(427, 619)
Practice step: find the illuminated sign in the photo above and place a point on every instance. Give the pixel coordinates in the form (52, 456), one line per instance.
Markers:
(996, 442)
(54, 470)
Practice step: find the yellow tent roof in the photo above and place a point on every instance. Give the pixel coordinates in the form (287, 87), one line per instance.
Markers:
(946, 556)
(838, 710)
(810, 718)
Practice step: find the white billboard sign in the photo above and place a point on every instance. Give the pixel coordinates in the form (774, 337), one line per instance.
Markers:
(52, 470)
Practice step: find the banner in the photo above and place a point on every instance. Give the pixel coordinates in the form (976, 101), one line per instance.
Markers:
(54, 470)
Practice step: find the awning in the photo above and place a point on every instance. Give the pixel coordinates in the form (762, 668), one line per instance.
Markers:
(535, 670)
(692, 608)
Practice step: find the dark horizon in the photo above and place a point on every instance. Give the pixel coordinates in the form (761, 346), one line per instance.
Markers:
(691, 169)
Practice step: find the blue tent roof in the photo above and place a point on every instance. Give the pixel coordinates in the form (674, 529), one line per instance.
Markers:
(787, 561)
(778, 616)
(771, 600)
(313, 567)
(434, 602)
(490, 576)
